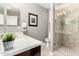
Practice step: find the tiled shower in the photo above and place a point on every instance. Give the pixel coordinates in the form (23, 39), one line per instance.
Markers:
(66, 28)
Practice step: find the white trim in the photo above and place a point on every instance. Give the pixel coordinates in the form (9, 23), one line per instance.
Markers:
(51, 26)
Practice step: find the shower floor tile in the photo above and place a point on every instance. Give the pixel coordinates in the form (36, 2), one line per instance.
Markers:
(63, 51)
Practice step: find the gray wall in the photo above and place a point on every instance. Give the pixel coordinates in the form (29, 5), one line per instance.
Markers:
(39, 32)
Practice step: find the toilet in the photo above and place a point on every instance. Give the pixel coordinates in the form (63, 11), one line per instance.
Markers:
(47, 42)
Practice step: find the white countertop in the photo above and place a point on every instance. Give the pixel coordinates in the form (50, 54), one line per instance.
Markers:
(21, 44)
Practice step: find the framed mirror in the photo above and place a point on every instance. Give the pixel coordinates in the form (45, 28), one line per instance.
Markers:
(1, 16)
(13, 17)
(9, 18)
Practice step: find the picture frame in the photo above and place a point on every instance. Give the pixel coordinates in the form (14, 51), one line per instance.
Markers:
(33, 19)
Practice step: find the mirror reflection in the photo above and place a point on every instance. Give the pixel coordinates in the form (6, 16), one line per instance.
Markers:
(1, 16)
(13, 17)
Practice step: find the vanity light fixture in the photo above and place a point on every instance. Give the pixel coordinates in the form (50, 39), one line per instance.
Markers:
(64, 12)
(61, 13)
(24, 26)
(58, 14)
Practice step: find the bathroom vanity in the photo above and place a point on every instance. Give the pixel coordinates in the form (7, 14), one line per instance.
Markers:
(11, 22)
(24, 46)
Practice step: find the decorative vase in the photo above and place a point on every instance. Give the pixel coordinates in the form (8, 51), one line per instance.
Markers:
(8, 45)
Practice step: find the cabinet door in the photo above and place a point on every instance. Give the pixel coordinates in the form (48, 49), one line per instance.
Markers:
(32, 52)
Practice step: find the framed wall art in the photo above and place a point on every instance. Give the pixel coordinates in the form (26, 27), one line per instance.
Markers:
(33, 19)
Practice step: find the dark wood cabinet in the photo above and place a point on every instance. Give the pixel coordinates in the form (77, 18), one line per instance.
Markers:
(32, 52)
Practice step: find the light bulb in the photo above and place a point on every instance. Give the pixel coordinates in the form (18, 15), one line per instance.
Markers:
(61, 13)
(24, 24)
(58, 14)
(64, 12)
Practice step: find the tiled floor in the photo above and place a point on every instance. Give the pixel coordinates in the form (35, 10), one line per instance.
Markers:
(45, 51)
(63, 51)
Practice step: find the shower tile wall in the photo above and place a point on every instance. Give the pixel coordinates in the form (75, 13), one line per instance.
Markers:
(71, 41)
(57, 40)
(57, 33)
(70, 36)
